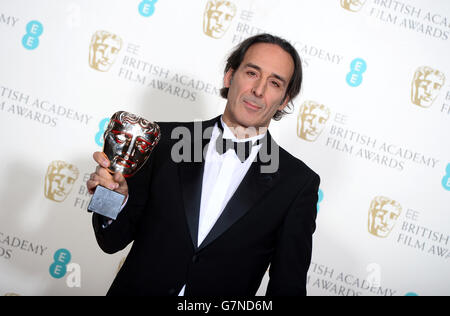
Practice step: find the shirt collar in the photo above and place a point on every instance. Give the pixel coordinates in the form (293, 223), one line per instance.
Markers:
(227, 133)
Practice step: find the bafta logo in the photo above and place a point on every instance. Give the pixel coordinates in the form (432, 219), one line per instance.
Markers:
(383, 215)
(217, 17)
(353, 5)
(426, 85)
(103, 50)
(311, 120)
(59, 180)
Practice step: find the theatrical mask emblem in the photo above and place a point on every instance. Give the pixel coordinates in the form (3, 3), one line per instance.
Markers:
(383, 215)
(59, 180)
(426, 85)
(311, 120)
(103, 50)
(129, 141)
(218, 17)
(353, 5)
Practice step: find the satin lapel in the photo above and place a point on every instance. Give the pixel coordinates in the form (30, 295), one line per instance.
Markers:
(191, 176)
(252, 188)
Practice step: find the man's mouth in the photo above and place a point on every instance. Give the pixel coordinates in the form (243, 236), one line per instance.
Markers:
(252, 105)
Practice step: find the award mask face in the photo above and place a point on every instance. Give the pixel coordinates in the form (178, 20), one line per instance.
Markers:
(129, 141)
(426, 86)
(59, 180)
(217, 17)
(104, 49)
(311, 120)
(383, 215)
(353, 5)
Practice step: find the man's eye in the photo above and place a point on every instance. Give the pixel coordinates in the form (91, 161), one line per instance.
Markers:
(251, 73)
(275, 84)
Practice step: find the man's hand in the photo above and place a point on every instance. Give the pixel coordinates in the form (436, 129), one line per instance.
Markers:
(103, 177)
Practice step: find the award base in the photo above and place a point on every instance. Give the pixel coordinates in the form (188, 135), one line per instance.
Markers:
(106, 202)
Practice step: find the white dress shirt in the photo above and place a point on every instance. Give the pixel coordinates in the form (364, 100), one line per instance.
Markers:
(221, 178)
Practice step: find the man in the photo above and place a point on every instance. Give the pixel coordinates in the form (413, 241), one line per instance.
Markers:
(212, 227)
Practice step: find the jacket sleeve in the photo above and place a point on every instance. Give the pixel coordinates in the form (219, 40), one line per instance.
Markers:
(292, 257)
(121, 232)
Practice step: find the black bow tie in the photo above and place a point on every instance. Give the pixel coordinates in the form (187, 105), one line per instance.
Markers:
(242, 149)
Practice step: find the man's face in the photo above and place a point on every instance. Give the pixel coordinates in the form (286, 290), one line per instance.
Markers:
(353, 5)
(311, 124)
(127, 146)
(218, 19)
(382, 220)
(105, 53)
(258, 87)
(427, 89)
(59, 184)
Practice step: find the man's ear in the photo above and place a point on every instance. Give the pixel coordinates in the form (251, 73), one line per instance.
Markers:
(284, 103)
(228, 78)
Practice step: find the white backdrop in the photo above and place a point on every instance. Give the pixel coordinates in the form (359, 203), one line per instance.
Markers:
(361, 63)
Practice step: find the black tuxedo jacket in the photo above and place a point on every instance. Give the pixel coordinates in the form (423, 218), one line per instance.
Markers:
(268, 221)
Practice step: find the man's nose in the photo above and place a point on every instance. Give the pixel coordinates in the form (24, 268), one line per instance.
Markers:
(259, 88)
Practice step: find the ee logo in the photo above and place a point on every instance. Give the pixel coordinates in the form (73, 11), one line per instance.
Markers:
(446, 178)
(147, 8)
(102, 127)
(62, 265)
(31, 39)
(355, 76)
(320, 199)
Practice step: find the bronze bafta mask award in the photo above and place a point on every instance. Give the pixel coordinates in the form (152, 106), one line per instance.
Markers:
(129, 141)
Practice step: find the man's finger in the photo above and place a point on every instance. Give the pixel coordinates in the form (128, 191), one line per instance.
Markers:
(104, 173)
(91, 185)
(119, 178)
(101, 159)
